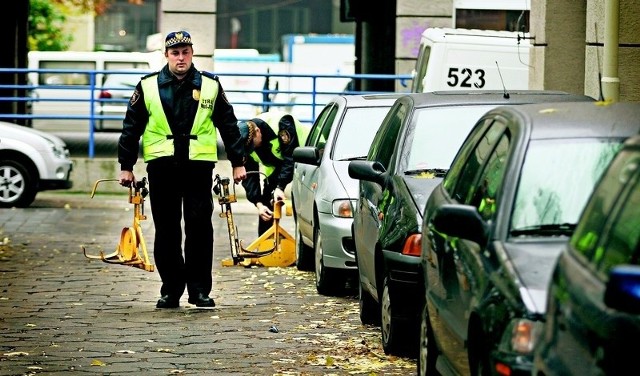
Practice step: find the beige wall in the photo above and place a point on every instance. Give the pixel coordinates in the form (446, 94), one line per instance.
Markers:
(198, 17)
(413, 17)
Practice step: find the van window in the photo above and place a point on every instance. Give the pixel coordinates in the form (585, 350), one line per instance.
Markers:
(65, 78)
(421, 68)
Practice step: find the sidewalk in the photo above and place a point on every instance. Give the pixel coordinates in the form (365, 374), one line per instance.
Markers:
(63, 313)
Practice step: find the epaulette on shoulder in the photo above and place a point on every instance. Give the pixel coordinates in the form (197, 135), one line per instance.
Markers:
(210, 75)
(150, 75)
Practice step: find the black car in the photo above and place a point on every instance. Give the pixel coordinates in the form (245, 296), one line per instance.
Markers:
(408, 157)
(495, 226)
(592, 324)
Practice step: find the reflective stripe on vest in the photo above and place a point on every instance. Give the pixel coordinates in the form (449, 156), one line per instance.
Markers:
(155, 143)
(272, 118)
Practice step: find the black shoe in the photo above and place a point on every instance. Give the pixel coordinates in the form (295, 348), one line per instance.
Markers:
(202, 301)
(168, 301)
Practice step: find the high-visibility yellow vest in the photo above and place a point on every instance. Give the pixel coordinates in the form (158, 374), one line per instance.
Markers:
(157, 140)
(272, 118)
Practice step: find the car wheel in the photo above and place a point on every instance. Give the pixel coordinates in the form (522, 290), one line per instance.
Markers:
(327, 280)
(428, 352)
(17, 185)
(304, 254)
(391, 329)
(369, 309)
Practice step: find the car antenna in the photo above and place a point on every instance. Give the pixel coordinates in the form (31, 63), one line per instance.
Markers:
(601, 98)
(505, 94)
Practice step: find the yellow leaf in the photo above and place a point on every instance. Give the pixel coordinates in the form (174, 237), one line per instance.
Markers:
(98, 363)
(329, 361)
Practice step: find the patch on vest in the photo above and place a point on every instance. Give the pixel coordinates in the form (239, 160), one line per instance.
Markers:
(285, 137)
(134, 97)
(196, 95)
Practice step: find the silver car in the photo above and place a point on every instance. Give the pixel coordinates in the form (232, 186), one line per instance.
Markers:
(323, 194)
(30, 161)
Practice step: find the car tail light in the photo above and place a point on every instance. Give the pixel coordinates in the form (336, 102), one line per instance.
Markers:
(413, 245)
(104, 95)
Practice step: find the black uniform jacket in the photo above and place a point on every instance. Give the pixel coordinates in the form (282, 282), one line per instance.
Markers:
(180, 109)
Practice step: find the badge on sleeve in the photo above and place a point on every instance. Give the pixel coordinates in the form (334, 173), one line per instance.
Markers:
(196, 94)
(134, 97)
(285, 137)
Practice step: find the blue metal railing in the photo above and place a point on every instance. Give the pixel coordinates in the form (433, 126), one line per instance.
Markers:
(72, 96)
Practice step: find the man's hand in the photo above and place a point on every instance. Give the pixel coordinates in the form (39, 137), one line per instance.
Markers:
(264, 212)
(127, 179)
(278, 195)
(239, 173)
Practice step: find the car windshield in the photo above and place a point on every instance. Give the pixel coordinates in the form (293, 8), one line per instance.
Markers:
(556, 180)
(122, 80)
(438, 134)
(358, 128)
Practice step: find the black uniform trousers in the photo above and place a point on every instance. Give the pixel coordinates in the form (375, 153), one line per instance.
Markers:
(181, 191)
(266, 198)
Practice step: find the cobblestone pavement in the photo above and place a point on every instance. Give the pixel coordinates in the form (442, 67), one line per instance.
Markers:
(63, 313)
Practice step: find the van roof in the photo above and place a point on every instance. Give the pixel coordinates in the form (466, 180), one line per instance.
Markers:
(498, 37)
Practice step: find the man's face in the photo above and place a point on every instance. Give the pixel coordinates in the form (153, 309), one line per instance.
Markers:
(179, 59)
(257, 139)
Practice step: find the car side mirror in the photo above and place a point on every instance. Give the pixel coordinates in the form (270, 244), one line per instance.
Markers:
(372, 171)
(460, 221)
(623, 289)
(307, 155)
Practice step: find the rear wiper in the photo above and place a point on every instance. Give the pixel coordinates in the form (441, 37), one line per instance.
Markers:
(547, 229)
(439, 172)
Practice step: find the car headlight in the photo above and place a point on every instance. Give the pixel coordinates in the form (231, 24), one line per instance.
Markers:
(343, 208)
(58, 150)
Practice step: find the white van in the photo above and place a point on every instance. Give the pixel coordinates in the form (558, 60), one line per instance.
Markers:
(62, 93)
(465, 59)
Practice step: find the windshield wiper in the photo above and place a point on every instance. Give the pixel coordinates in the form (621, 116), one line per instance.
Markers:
(354, 159)
(439, 172)
(546, 229)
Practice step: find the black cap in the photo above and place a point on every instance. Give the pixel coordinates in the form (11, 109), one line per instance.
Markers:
(176, 38)
(247, 131)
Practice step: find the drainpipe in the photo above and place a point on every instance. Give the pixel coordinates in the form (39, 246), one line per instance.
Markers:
(610, 80)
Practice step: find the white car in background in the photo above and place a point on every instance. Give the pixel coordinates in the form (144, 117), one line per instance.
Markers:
(31, 161)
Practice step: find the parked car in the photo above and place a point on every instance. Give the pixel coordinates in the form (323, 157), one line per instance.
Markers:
(31, 161)
(113, 97)
(322, 191)
(494, 227)
(593, 305)
(409, 156)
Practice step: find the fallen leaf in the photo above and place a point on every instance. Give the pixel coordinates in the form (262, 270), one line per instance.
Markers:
(98, 363)
(16, 353)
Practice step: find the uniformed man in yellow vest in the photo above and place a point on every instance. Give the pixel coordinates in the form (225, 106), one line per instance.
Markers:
(179, 112)
(269, 142)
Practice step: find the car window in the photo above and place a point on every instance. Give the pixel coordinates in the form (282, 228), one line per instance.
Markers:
(465, 188)
(607, 198)
(486, 191)
(452, 177)
(384, 143)
(436, 135)
(557, 179)
(357, 130)
(326, 116)
(622, 243)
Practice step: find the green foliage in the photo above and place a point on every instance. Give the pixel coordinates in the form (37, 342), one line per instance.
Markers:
(46, 20)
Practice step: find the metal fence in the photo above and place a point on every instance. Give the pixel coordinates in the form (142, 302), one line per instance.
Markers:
(63, 100)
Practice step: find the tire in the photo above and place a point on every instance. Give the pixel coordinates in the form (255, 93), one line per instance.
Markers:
(428, 352)
(328, 281)
(18, 187)
(392, 330)
(369, 309)
(304, 253)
